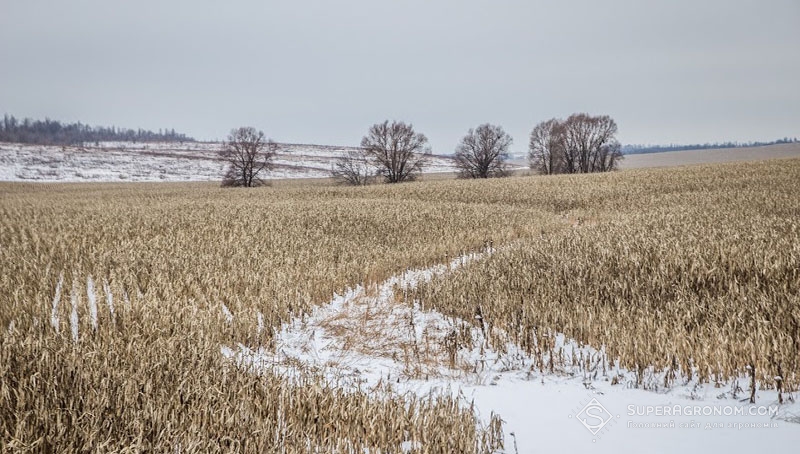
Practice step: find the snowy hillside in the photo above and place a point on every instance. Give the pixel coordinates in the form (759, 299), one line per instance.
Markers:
(187, 161)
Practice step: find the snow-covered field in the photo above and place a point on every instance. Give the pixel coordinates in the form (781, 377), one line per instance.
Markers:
(375, 338)
(187, 161)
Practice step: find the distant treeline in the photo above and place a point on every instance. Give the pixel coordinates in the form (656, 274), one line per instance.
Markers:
(637, 149)
(51, 132)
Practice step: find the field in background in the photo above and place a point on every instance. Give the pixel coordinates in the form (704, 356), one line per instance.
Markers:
(116, 299)
(710, 156)
(187, 161)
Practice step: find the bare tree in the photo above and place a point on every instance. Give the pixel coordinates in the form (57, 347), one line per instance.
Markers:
(483, 152)
(589, 143)
(397, 152)
(608, 156)
(545, 147)
(580, 144)
(249, 155)
(353, 168)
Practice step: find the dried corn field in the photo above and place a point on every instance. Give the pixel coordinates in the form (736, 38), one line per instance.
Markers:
(115, 299)
(174, 262)
(686, 274)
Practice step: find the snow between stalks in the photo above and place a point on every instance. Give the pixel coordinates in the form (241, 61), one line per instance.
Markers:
(376, 338)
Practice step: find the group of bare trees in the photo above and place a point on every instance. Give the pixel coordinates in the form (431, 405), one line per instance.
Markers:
(580, 144)
(391, 151)
(395, 152)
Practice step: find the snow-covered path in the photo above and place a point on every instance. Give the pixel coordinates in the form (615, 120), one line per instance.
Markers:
(375, 336)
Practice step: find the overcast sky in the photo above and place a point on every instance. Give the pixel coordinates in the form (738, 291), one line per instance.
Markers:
(676, 71)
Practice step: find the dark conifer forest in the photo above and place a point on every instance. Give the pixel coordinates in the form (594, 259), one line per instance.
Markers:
(52, 132)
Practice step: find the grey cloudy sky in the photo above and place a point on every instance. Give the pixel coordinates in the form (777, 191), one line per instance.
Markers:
(679, 71)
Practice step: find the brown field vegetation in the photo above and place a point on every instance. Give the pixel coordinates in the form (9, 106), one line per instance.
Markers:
(697, 264)
(694, 271)
(150, 376)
